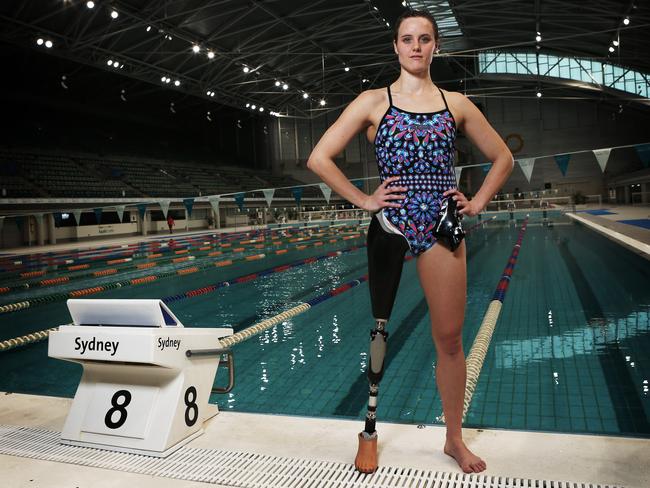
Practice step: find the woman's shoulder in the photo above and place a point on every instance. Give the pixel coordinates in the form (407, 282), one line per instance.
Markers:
(372, 96)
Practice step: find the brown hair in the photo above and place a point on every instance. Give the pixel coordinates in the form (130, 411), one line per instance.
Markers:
(416, 13)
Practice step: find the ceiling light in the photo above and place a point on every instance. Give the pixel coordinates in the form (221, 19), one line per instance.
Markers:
(611, 49)
(285, 87)
(322, 102)
(210, 55)
(148, 28)
(114, 14)
(90, 4)
(246, 69)
(261, 109)
(347, 68)
(626, 21)
(248, 105)
(539, 94)
(40, 41)
(109, 62)
(277, 83)
(305, 95)
(177, 83)
(538, 38)
(196, 48)
(253, 107)
(615, 43)
(48, 44)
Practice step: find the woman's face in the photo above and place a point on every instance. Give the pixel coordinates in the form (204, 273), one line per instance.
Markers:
(415, 44)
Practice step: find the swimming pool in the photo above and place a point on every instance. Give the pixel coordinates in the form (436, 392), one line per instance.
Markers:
(570, 352)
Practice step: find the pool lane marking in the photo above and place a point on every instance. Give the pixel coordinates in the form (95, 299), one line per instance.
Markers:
(478, 351)
(12, 307)
(166, 260)
(61, 259)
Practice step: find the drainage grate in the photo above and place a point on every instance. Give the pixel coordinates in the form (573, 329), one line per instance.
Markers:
(241, 469)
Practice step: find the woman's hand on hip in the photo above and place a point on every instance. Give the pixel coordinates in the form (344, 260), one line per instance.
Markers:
(465, 206)
(384, 196)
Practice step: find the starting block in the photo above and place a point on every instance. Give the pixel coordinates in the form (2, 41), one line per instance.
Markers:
(146, 380)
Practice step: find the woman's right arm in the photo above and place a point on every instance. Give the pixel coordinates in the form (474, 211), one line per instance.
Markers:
(354, 119)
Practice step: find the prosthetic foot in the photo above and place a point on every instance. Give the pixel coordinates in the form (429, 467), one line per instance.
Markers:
(366, 459)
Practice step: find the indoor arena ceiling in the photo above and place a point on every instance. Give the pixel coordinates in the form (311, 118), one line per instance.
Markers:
(238, 52)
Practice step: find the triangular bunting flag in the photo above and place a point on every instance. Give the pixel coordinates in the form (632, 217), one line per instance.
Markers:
(189, 203)
(120, 211)
(527, 165)
(602, 156)
(297, 194)
(562, 161)
(164, 206)
(98, 215)
(643, 150)
(142, 210)
(268, 195)
(239, 198)
(459, 171)
(77, 216)
(214, 203)
(327, 191)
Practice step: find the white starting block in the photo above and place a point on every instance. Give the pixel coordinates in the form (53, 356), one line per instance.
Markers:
(146, 379)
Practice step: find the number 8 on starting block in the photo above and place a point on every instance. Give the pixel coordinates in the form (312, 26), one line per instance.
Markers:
(146, 380)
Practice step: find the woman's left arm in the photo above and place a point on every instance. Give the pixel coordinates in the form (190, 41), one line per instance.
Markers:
(482, 135)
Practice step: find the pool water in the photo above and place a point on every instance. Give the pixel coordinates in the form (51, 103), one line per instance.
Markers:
(570, 353)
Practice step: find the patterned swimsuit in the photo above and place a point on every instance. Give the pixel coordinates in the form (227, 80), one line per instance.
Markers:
(419, 148)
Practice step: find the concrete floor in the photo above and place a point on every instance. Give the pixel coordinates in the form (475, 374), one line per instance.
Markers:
(519, 454)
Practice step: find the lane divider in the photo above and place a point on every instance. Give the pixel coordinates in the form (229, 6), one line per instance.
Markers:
(13, 307)
(115, 252)
(134, 265)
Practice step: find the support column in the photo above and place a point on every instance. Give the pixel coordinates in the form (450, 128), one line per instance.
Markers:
(217, 217)
(187, 221)
(51, 229)
(143, 224)
(40, 229)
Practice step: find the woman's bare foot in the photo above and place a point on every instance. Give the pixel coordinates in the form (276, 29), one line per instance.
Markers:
(366, 460)
(468, 462)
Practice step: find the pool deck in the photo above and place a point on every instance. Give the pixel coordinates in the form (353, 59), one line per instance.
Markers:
(593, 459)
(633, 237)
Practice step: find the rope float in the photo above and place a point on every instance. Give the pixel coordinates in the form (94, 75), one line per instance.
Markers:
(131, 265)
(13, 307)
(26, 339)
(476, 356)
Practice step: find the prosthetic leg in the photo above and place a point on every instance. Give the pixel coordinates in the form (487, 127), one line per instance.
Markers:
(385, 262)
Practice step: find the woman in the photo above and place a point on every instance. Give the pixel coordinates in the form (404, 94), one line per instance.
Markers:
(413, 126)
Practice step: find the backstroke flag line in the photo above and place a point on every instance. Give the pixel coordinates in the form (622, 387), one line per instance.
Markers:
(527, 165)
(602, 156)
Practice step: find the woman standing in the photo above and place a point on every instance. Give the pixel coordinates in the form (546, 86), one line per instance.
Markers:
(413, 125)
